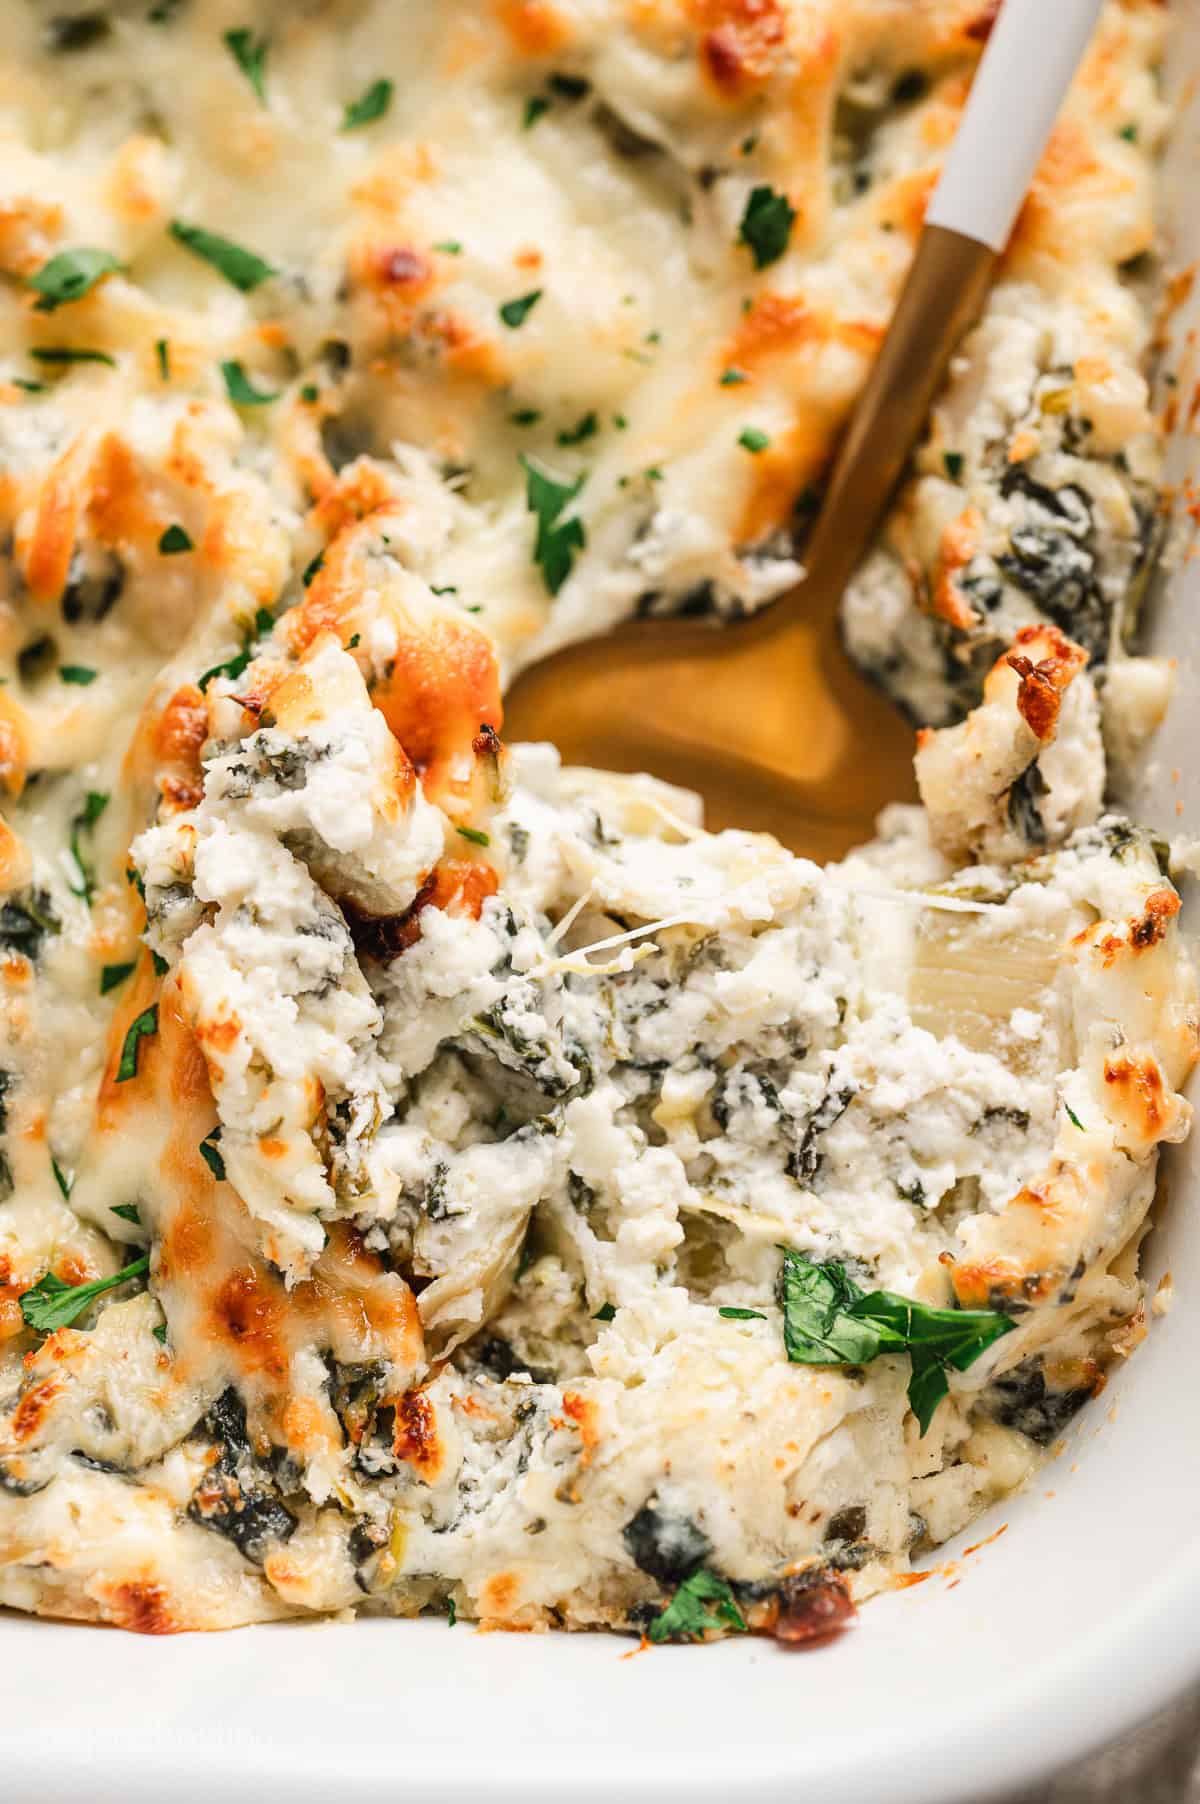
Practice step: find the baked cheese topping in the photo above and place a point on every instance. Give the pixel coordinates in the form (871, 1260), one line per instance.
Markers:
(435, 1180)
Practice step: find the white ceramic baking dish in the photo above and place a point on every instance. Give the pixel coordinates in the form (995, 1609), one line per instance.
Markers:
(1080, 1618)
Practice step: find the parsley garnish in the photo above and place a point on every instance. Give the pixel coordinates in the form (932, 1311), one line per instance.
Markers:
(752, 438)
(570, 87)
(211, 1155)
(731, 377)
(828, 1320)
(953, 461)
(585, 428)
(241, 390)
(71, 354)
(30, 387)
(525, 416)
(83, 674)
(92, 809)
(127, 1212)
(241, 267)
(557, 540)
(162, 351)
(474, 835)
(766, 225)
(70, 275)
(140, 1028)
(312, 567)
(449, 247)
(686, 1616)
(310, 392)
(1129, 133)
(369, 106)
(605, 1313)
(514, 313)
(1075, 1121)
(161, 967)
(173, 541)
(113, 975)
(51, 1304)
(535, 106)
(741, 1315)
(232, 667)
(250, 55)
(60, 1176)
(160, 1333)
(451, 1612)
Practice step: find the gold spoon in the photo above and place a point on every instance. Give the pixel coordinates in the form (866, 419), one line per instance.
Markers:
(766, 717)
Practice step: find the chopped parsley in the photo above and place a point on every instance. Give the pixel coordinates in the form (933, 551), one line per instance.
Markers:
(71, 354)
(51, 1304)
(514, 313)
(451, 1612)
(60, 1176)
(173, 541)
(687, 1616)
(766, 225)
(211, 1155)
(557, 540)
(127, 1212)
(250, 55)
(731, 377)
(953, 461)
(369, 106)
(568, 87)
(241, 390)
(160, 1334)
(310, 392)
(1129, 133)
(312, 567)
(245, 269)
(94, 805)
(605, 1313)
(449, 247)
(68, 276)
(113, 975)
(30, 387)
(752, 438)
(583, 429)
(162, 351)
(474, 835)
(140, 1028)
(1074, 1119)
(232, 667)
(828, 1320)
(161, 967)
(82, 674)
(535, 106)
(730, 1314)
(525, 416)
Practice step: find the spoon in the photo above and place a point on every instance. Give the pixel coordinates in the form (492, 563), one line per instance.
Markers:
(766, 717)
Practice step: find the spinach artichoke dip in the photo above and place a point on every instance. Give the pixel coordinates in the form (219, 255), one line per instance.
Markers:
(435, 1180)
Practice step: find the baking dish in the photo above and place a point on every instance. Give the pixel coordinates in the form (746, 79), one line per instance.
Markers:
(1067, 1615)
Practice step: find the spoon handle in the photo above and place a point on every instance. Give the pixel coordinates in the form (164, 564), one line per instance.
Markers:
(1026, 69)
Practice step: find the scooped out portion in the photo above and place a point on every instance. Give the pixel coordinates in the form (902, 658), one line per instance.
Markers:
(504, 1198)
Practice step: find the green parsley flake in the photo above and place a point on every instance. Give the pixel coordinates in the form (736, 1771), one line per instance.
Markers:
(371, 105)
(605, 1313)
(753, 439)
(82, 674)
(52, 354)
(173, 541)
(953, 461)
(160, 1334)
(451, 1612)
(311, 568)
(113, 975)
(828, 1320)
(69, 276)
(525, 416)
(731, 377)
(244, 268)
(310, 392)
(474, 835)
(211, 1155)
(250, 55)
(449, 247)
(766, 225)
(730, 1314)
(231, 668)
(60, 1177)
(162, 351)
(140, 1028)
(241, 390)
(51, 1304)
(686, 1617)
(557, 541)
(127, 1212)
(94, 805)
(1129, 133)
(1074, 1119)
(535, 106)
(584, 429)
(514, 313)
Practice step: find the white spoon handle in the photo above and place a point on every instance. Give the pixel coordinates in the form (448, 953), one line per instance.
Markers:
(1032, 53)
